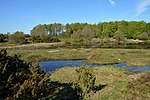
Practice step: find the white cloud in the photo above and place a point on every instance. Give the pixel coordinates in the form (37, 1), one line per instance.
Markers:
(112, 2)
(142, 6)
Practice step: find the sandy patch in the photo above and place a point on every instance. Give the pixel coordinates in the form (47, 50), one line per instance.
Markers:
(54, 51)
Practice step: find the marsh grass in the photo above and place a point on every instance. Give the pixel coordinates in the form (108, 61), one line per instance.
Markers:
(138, 87)
(139, 62)
(31, 46)
(105, 76)
(117, 85)
(91, 55)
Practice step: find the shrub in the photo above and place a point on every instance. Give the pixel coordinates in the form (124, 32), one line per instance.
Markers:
(144, 36)
(20, 80)
(119, 36)
(2, 38)
(85, 81)
(46, 39)
(55, 39)
(36, 39)
(17, 38)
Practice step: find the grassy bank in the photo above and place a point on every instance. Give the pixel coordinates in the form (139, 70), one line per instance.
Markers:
(31, 46)
(117, 85)
(91, 55)
(104, 75)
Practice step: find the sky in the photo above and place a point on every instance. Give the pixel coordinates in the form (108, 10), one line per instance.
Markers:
(23, 15)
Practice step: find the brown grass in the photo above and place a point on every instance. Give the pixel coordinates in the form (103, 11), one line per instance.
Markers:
(118, 85)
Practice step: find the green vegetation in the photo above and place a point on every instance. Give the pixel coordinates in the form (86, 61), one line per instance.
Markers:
(17, 38)
(139, 61)
(20, 80)
(85, 82)
(119, 36)
(104, 75)
(76, 35)
(111, 83)
(91, 55)
(2, 38)
(138, 87)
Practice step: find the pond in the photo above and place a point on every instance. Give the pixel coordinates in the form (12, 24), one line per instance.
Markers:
(56, 64)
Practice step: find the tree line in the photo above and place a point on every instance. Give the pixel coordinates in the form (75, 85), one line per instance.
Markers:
(131, 30)
(82, 33)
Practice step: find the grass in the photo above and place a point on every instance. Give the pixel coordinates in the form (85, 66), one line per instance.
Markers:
(119, 86)
(139, 87)
(92, 55)
(109, 76)
(104, 75)
(139, 62)
(31, 46)
(6, 44)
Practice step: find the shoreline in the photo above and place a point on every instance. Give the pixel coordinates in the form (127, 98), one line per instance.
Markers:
(90, 62)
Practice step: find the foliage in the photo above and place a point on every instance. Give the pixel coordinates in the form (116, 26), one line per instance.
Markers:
(81, 34)
(85, 81)
(20, 80)
(2, 38)
(46, 39)
(48, 30)
(119, 36)
(84, 36)
(35, 39)
(55, 39)
(17, 38)
(131, 29)
(77, 38)
(46, 33)
(13, 72)
(144, 36)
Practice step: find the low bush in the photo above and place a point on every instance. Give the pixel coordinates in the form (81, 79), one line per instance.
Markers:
(20, 80)
(85, 82)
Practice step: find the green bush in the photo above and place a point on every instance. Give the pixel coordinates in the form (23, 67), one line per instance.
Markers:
(35, 39)
(144, 36)
(17, 38)
(85, 82)
(46, 39)
(2, 38)
(20, 80)
(55, 39)
(119, 36)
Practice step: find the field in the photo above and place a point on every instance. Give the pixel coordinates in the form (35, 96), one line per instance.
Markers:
(113, 83)
(45, 52)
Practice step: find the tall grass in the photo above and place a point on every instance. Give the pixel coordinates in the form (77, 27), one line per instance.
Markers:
(92, 55)
(118, 86)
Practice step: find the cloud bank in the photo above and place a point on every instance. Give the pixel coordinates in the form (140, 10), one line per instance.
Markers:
(142, 6)
(112, 2)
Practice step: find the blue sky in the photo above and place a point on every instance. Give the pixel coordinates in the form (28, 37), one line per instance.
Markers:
(23, 15)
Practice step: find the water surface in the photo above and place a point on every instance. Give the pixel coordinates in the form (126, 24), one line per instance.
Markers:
(56, 64)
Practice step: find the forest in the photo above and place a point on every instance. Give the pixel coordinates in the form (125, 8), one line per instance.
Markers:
(104, 34)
